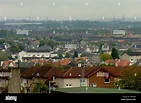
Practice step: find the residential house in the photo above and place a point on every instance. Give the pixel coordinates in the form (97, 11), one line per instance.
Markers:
(119, 33)
(27, 77)
(104, 77)
(43, 74)
(92, 49)
(105, 47)
(117, 62)
(138, 63)
(132, 57)
(94, 77)
(74, 77)
(7, 64)
(5, 74)
(136, 47)
(122, 47)
(70, 46)
(43, 52)
(62, 62)
(34, 44)
(101, 77)
(32, 75)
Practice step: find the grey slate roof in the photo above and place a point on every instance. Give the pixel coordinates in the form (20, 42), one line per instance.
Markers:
(26, 64)
(133, 53)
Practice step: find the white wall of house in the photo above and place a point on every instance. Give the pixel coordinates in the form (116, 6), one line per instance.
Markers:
(22, 54)
(70, 82)
(34, 54)
(23, 82)
(38, 54)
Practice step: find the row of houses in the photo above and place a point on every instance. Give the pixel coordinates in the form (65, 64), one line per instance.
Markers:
(102, 76)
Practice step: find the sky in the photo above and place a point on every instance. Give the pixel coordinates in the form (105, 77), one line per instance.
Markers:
(69, 9)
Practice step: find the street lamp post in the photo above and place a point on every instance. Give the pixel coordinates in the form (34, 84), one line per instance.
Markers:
(49, 85)
(80, 64)
(82, 80)
(79, 80)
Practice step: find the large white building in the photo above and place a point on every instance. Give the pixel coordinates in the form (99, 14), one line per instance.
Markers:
(19, 31)
(26, 55)
(119, 32)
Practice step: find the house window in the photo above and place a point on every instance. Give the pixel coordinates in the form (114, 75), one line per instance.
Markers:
(82, 81)
(106, 80)
(68, 85)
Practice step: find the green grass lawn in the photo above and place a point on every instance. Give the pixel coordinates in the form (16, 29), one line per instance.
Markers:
(94, 90)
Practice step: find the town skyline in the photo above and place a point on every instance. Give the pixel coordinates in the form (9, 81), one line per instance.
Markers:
(69, 9)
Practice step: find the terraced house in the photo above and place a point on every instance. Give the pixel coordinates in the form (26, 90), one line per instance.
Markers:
(104, 77)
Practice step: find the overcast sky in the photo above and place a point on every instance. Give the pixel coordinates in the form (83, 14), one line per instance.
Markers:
(69, 9)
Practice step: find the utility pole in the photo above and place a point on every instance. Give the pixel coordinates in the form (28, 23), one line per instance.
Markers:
(49, 86)
(82, 80)
(82, 66)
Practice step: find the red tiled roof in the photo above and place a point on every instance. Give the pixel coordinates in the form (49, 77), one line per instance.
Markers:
(30, 72)
(75, 72)
(7, 63)
(52, 72)
(110, 61)
(55, 63)
(122, 63)
(119, 71)
(113, 70)
(40, 61)
(80, 58)
(64, 62)
(117, 62)
(42, 71)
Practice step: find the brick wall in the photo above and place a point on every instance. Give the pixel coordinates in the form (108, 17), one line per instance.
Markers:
(99, 81)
